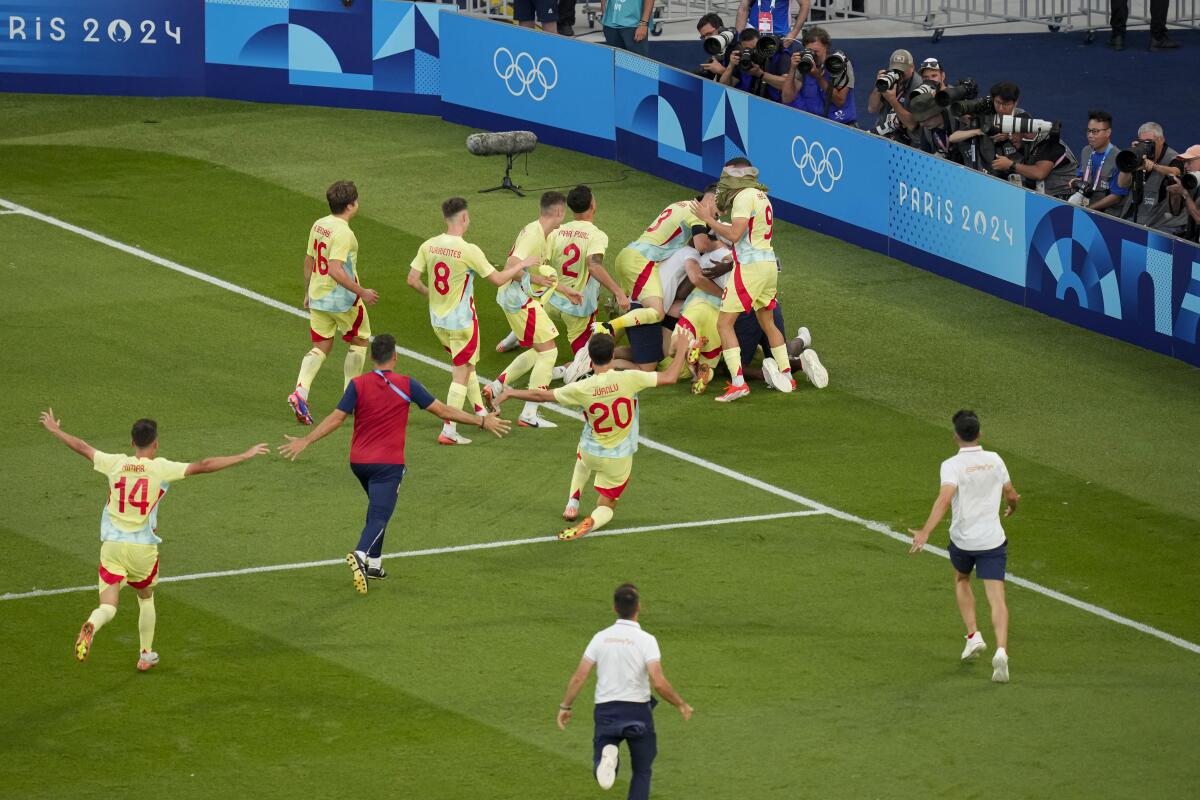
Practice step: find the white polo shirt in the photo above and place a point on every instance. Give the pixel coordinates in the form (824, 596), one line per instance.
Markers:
(621, 653)
(672, 272)
(980, 476)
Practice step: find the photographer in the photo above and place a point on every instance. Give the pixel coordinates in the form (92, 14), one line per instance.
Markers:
(935, 127)
(818, 83)
(978, 150)
(753, 70)
(1095, 184)
(711, 27)
(1180, 214)
(893, 86)
(1144, 168)
(772, 16)
(1046, 165)
(932, 74)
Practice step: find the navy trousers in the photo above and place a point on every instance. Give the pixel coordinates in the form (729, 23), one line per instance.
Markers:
(381, 482)
(632, 723)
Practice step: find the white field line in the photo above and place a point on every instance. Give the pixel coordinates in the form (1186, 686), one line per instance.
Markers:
(433, 551)
(877, 527)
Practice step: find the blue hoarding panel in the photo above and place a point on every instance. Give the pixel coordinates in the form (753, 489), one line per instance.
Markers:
(559, 88)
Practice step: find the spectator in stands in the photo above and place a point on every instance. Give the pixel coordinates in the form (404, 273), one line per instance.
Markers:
(819, 91)
(1180, 215)
(895, 99)
(710, 25)
(763, 78)
(1044, 162)
(934, 127)
(1159, 40)
(546, 12)
(1096, 177)
(627, 24)
(1146, 182)
(566, 17)
(772, 16)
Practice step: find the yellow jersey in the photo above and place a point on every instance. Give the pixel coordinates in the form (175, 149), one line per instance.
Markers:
(610, 409)
(331, 240)
(135, 487)
(672, 230)
(450, 265)
(531, 241)
(755, 244)
(569, 248)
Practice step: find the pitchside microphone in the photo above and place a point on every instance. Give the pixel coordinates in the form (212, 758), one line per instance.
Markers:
(504, 143)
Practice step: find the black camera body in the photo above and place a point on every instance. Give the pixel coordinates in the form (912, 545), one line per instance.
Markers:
(1189, 180)
(1131, 159)
(980, 106)
(889, 80)
(966, 89)
(808, 62)
(763, 51)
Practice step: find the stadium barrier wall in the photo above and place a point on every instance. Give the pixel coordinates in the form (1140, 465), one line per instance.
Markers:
(1089, 269)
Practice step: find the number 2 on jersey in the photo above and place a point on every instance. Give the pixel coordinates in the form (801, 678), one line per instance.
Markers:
(137, 496)
(571, 250)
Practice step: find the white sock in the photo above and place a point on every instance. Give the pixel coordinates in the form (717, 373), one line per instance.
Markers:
(530, 409)
(374, 563)
(361, 555)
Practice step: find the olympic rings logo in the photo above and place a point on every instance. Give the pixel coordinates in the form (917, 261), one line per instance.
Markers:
(521, 74)
(818, 165)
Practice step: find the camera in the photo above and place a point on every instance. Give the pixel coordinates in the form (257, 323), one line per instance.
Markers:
(966, 89)
(808, 62)
(1131, 159)
(888, 80)
(1189, 180)
(767, 46)
(836, 63)
(1012, 124)
(719, 42)
(970, 108)
(1082, 196)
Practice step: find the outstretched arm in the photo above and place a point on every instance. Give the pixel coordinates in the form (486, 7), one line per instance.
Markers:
(295, 445)
(491, 422)
(940, 507)
(218, 463)
(74, 442)
(533, 395)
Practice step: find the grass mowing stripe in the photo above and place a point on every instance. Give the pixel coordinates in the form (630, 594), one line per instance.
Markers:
(877, 527)
(432, 551)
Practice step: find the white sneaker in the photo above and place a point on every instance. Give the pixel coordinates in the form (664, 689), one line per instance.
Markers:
(509, 342)
(581, 367)
(804, 336)
(606, 770)
(975, 646)
(149, 658)
(557, 373)
(535, 420)
(814, 370)
(452, 437)
(775, 378)
(1000, 666)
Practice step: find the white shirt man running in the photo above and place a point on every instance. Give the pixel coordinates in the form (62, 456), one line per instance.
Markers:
(628, 663)
(972, 485)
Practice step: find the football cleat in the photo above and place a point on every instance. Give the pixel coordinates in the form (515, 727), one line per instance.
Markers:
(147, 660)
(358, 571)
(299, 408)
(557, 373)
(606, 327)
(579, 368)
(693, 353)
(704, 374)
(509, 342)
(83, 643)
(376, 573)
(1000, 666)
(814, 370)
(732, 393)
(576, 531)
(975, 645)
(606, 770)
(777, 378)
(535, 420)
(805, 336)
(452, 437)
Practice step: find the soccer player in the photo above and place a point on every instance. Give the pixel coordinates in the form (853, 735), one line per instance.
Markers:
(637, 264)
(527, 316)
(628, 663)
(552, 209)
(576, 251)
(129, 523)
(755, 270)
(380, 401)
(451, 265)
(973, 482)
(335, 300)
(610, 430)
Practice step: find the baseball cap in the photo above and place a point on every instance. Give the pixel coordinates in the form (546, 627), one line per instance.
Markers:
(930, 63)
(901, 59)
(1190, 153)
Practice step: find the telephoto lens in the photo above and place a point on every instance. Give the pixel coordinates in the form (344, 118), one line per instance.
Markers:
(1131, 159)
(963, 90)
(768, 45)
(719, 42)
(889, 79)
(836, 63)
(808, 60)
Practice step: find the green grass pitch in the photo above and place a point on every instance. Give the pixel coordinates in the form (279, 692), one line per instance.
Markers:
(822, 660)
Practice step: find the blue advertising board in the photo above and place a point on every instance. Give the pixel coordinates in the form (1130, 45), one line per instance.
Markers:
(380, 54)
(116, 46)
(501, 76)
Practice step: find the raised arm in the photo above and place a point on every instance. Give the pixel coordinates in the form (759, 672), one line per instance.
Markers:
(534, 395)
(663, 686)
(218, 463)
(940, 507)
(295, 445)
(492, 422)
(578, 678)
(74, 442)
(731, 231)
